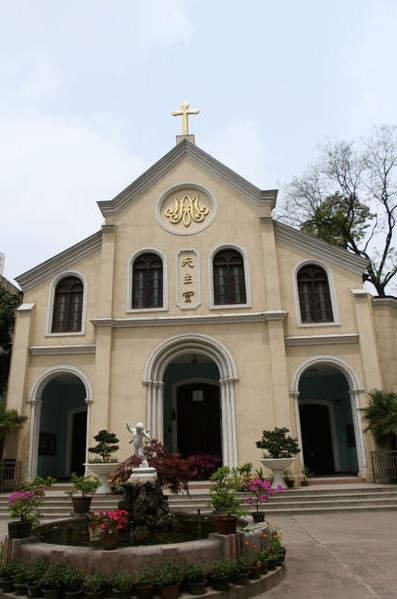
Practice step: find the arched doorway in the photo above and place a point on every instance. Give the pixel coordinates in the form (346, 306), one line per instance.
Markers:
(192, 411)
(184, 349)
(58, 427)
(327, 421)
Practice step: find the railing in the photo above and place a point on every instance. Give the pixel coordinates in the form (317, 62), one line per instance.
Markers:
(384, 466)
(9, 474)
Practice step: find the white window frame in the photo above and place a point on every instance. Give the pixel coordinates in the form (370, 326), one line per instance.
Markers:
(228, 246)
(51, 299)
(332, 293)
(130, 262)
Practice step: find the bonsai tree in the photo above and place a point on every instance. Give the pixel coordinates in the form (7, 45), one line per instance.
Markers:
(107, 444)
(381, 417)
(278, 444)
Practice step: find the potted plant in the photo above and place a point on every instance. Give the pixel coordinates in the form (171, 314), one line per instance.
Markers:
(261, 490)
(7, 574)
(288, 479)
(51, 581)
(20, 579)
(221, 574)
(95, 585)
(73, 582)
(24, 504)
(34, 575)
(226, 483)
(121, 585)
(109, 524)
(195, 579)
(169, 576)
(104, 464)
(241, 571)
(83, 487)
(144, 582)
(306, 472)
(279, 450)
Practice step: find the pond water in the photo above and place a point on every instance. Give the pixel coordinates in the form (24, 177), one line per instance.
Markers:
(76, 533)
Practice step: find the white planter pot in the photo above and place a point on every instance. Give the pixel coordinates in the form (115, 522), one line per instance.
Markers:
(277, 466)
(102, 471)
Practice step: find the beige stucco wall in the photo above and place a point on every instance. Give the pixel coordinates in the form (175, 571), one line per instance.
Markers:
(385, 315)
(266, 367)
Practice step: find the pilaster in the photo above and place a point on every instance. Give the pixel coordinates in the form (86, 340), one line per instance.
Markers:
(367, 340)
(271, 276)
(106, 275)
(278, 365)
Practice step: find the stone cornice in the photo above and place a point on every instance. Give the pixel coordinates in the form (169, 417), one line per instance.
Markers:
(390, 301)
(319, 248)
(59, 350)
(167, 321)
(60, 261)
(25, 307)
(195, 154)
(275, 314)
(336, 339)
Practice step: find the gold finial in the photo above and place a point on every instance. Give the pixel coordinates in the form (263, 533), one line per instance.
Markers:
(184, 113)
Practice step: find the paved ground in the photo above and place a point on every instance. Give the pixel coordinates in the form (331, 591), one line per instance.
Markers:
(343, 556)
(338, 556)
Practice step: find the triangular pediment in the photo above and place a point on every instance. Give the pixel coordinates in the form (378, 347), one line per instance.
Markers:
(189, 151)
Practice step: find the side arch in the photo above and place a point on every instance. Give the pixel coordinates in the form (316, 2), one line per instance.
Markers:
(204, 345)
(36, 403)
(354, 392)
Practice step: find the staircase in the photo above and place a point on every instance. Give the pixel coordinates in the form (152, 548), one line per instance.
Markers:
(324, 496)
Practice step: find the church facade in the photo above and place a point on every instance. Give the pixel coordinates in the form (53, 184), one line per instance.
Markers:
(194, 311)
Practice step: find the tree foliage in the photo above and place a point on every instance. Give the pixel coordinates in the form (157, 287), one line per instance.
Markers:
(349, 198)
(8, 304)
(381, 417)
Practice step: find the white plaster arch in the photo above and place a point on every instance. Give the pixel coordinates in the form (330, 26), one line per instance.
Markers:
(51, 298)
(242, 251)
(130, 263)
(199, 344)
(35, 402)
(332, 293)
(354, 391)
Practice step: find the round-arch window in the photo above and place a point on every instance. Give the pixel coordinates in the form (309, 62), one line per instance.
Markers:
(229, 279)
(68, 305)
(147, 281)
(314, 295)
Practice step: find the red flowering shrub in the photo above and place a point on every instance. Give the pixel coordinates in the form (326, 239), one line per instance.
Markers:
(108, 522)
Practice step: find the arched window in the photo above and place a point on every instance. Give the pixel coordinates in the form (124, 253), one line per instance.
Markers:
(314, 295)
(229, 278)
(68, 306)
(147, 281)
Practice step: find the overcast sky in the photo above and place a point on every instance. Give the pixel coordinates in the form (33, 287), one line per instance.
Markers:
(87, 87)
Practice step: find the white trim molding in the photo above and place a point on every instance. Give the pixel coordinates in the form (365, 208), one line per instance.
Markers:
(51, 299)
(61, 350)
(244, 255)
(35, 403)
(191, 319)
(179, 345)
(338, 339)
(130, 264)
(332, 293)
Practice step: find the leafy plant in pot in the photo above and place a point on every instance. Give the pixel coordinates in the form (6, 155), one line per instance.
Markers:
(221, 574)
(279, 451)
(226, 482)
(104, 464)
(83, 487)
(169, 576)
(122, 585)
(95, 585)
(73, 582)
(109, 524)
(195, 579)
(51, 581)
(144, 582)
(24, 504)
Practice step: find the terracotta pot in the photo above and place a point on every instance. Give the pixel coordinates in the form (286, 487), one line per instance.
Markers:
(51, 593)
(170, 591)
(255, 571)
(144, 591)
(110, 541)
(81, 505)
(264, 567)
(34, 591)
(20, 529)
(225, 524)
(20, 588)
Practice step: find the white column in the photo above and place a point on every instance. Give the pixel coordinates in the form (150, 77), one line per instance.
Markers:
(34, 426)
(358, 430)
